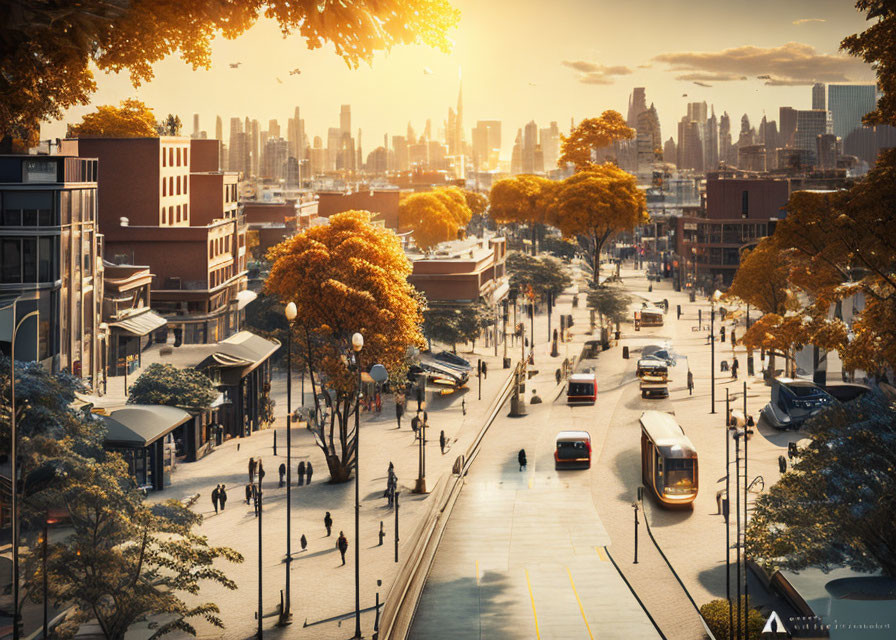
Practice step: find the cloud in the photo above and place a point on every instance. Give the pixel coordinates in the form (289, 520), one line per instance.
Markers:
(645, 66)
(793, 63)
(710, 77)
(805, 20)
(593, 73)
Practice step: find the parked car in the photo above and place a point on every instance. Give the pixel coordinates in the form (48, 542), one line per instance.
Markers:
(453, 359)
(793, 402)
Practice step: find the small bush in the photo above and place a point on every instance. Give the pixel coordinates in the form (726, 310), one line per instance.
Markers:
(715, 613)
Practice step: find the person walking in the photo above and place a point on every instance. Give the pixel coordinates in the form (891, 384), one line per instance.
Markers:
(328, 523)
(415, 424)
(304, 542)
(399, 409)
(215, 492)
(690, 382)
(260, 472)
(301, 473)
(308, 471)
(251, 470)
(282, 471)
(342, 545)
(463, 405)
(521, 458)
(484, 369)
(222, 496)
(442, 441)
(248, 492)
(734, 367)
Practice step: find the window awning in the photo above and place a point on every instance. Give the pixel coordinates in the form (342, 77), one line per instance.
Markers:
(244, 297)
(142, 324)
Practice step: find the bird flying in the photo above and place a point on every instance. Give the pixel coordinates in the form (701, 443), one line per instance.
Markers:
(279, 81)
(234, 65)
(701, 84)
(764, 77)
(295, 72)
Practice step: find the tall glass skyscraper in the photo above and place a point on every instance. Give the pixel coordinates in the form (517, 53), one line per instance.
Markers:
(848, 103)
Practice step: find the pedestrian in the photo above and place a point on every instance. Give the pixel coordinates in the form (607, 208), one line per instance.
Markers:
(342, 545)
(415, 424)
(222, 496)
(558, 375)
(734, 367)
(442, 441)
(251, 469)
(260, 473)
(248, 492)
(308, 471)
(389, 474)
(399, 411)
(521, 457)
(733, 338)
(256, 498)
(301, 473)
(304, 542)
(484, 369)
(690, 383)
(215, 492)
(328, 523)
(463, 405)
(379, 402)
(282, 471)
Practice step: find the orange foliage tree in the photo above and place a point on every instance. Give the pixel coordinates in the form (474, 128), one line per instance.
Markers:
(345, 277)
(435, 216)
(49, 46)
(597, 203)
(843, 244)
(590, 135)
(522, 199)
(132, 119)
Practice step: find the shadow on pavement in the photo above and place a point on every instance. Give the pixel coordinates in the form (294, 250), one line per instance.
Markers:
(461, 608)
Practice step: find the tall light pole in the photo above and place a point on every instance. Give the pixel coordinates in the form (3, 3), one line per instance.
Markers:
(14, 502)
(357, 345)
(290, 312)
(716, 296)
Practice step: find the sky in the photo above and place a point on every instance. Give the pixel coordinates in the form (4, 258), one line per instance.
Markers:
(520, 60)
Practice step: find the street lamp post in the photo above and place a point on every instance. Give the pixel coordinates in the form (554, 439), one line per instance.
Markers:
(357, 345)
(421, 479)
(14, 502)
(712, 341)
(290, 312)
(104, 331)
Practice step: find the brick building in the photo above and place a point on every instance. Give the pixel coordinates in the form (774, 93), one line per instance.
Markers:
(164, 204)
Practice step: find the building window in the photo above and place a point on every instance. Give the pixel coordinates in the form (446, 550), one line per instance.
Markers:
(171, 156)
(186, 163)
(744, 204)
(164, 187)
(164, 215)
(11, 260)
(186, 215)
(164, 158)
(178, 213)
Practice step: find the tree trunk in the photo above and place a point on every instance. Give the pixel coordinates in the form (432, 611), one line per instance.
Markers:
(339, 472)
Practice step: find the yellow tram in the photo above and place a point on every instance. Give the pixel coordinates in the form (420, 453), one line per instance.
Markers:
(668, 459)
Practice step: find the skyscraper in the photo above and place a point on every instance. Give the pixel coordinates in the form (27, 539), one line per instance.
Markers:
(810, 123)
(787, 120)
(725, 138)
(711, 146)
(487, 145)
(195, 133)
(649, 138)
(530, 142)
(818, 101)
(550, 146)
(345, 118)
(637, 104)
(848, 104)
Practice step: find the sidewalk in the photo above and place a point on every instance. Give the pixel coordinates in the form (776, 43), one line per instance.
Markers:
(321, 587)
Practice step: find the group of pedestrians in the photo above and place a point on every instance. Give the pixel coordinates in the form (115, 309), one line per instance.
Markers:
(341, 541)
(304, 471)
(219, 497)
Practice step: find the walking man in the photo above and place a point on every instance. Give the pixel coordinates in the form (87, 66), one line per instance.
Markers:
(308, 471)
(521, 457)
(301, 473)
(342, 545)
(442, 441)
(415, 424)
(484, 369)
(734, 366)
(690, 383)
(282, 471)
(248, 492)
(328, 523)
(222, 497)
(251, 470)
(399, 410)
(215, 492)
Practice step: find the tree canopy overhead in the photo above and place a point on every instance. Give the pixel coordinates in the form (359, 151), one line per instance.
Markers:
(345, 277)
(168, 385)
(590, 135)
(521, 199)
(876, 45)
(435, 216)
(50, 45)
(544, 274)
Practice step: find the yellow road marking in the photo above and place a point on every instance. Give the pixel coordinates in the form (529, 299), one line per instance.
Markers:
(602, 554)
(581, 608)
(534, 613)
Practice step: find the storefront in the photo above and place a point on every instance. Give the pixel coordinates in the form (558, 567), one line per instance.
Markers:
(138, 432)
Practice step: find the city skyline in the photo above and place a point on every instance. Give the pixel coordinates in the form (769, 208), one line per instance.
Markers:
(413, 84)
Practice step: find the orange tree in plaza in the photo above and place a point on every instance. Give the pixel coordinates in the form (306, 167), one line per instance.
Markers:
(522, 199)
(50, 45)
(435, 216)
(345, 277)
(592, 135)
(596, 203)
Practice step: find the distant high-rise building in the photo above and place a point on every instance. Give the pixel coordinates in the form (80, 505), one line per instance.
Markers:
(637, 104)
(669, 151)
(195, 133)
(530, 142)
(273, 159)
(810, 123)
(411, 135)
(649, 139)
(725, 138)
(818, 101)
(747, 135)
(219, 128)
(550, 146)
(345, 118)
(691, 145)
(273, 129)
(238, 148)
(711, 146)
(254, 139)
(317, 157)
(787, 120)
(400, 148)
(848, 104)
(459, 124)
(516, 157)
(486, 144)
(828, 150)
(697, 111)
